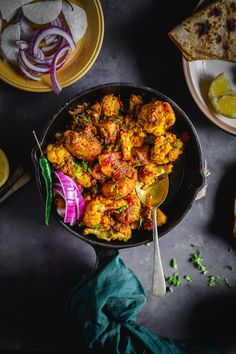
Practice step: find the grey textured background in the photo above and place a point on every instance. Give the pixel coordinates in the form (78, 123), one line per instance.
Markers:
(39, 265)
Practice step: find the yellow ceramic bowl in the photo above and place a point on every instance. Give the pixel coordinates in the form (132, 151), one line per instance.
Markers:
(79, 62)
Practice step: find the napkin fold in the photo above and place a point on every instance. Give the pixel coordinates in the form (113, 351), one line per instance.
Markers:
(106, 302)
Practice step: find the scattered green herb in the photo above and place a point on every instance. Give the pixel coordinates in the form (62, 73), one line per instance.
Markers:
(174, 279)
(123, 208)
(213, 280)
(228, 283)
(197, 260)
(188, 277)
(173, 263)
(84, 118)
(95, 189)
(78, 172)
(96, 227)
(113, 186)
(140, 224)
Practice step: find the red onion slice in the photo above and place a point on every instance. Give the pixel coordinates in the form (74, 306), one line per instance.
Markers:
(55, 84)
(25, 72)
(28, 65)
(70, 192)
(51, 31)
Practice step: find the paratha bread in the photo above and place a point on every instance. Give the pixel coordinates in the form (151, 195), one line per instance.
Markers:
(209, 33)
(231, 26)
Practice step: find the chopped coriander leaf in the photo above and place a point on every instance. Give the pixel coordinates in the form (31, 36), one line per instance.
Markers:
(197, 260)
(95, 189)
(174, 280)
(213, 280)
(188, 277)
(113, 186)
(84, 165)
(228, 267)
(140, 224)
(90, 170)
(78, 172)
(173, 263)
(95, 227)
(228, 283)
(123, 208)
(84, 118)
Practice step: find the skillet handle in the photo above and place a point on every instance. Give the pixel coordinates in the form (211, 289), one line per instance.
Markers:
(103, 254)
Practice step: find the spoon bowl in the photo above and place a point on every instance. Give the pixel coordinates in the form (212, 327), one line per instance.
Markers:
(153, 196)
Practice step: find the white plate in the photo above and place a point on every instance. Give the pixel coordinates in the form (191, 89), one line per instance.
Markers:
(199, 74)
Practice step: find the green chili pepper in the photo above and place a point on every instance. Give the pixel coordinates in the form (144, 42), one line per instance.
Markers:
(47, 175)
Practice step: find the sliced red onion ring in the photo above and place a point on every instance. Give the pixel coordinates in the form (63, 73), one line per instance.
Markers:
(30, 66)
(22, 45)
(55, 84)
(25, 72)
(70, 192)
(48, 31)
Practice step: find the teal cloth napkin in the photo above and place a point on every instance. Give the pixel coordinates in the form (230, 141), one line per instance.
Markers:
(106, 303)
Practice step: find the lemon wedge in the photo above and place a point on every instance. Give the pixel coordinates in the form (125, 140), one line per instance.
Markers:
(4, 168)
(222, 96)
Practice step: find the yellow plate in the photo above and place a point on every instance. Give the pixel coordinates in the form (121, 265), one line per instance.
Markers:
(79, 62)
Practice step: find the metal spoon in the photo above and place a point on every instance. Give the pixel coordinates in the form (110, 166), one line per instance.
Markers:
(154, 196)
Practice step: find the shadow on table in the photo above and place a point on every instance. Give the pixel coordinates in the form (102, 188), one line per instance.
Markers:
(222, 221)
(212, 320)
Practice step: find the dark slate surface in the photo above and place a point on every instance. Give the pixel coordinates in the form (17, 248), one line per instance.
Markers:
(39, 265)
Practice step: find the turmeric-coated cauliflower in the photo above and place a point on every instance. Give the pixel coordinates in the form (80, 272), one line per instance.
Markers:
(155, 117)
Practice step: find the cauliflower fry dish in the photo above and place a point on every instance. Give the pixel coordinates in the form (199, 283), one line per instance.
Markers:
(107, 150)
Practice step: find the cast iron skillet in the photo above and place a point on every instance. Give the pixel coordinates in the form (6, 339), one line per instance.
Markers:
(185, 180)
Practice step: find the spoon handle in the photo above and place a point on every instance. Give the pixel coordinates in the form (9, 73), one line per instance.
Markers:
(158, 279)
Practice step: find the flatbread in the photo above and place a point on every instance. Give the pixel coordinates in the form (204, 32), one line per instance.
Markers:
(231, 26)
(210, 33)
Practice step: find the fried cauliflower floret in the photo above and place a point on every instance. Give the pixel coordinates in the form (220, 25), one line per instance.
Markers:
(78, 173)
(109, 131)
(98, 174)
(93, 213)
(57, 154)
(147, 220)
(83, 145)
(155, 117)
(129, 139)
(132, 212)
(95, 112)
(109, 235)
(167, 148)
(140, 156)
(118, 189)
(108, 161)
(135, 101)
(79, 109)
(111, 105)
(112, 165)
(107, 222)
(149, 172)
(124, 230)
